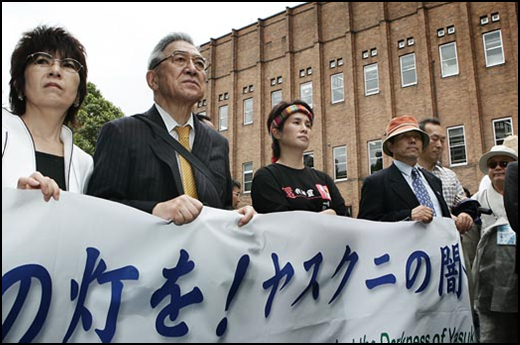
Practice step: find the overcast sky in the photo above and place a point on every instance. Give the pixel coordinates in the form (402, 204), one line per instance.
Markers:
(119, 37)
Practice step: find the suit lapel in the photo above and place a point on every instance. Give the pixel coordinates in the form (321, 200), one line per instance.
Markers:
(401, 187)
(163, 150)
(201, 150)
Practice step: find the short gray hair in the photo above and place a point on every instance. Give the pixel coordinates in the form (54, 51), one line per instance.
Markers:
(157, 52)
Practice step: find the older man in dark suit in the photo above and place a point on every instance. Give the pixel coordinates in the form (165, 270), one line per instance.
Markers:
(165, 161)
(403, 191)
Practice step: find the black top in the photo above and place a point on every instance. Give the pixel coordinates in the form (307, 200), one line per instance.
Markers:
(278, 188)
(52, 166)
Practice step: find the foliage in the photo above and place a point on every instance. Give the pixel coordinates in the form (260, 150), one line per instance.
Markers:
(93, 114)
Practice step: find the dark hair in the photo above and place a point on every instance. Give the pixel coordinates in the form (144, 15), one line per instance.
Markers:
(277, 110)
(52, 40)
(237, 184)
(432, 121)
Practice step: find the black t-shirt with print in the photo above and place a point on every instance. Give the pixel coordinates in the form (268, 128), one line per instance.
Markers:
(278, 188)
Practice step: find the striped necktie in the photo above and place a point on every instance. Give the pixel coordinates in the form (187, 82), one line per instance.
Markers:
(188, 180)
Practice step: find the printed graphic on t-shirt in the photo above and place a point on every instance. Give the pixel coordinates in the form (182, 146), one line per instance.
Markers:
(324, 191)
(299, 193)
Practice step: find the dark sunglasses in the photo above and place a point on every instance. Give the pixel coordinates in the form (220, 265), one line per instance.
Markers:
(493, 164)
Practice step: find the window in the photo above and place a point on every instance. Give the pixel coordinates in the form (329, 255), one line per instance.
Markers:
(308, 159)
(309, 70)
(244, 90)
(484, 20)
(440, 33)
(226, 95)
(279, 80)
(306, 93)
(493, 48)
(302, 73)
(451, 30)
(273, 81)
(337, 88)
(220, 97)
(248, 111)
(247, 169)
(371, 80)
(365, 54)
(449, 63)
(332, 64)
(410, 41)
(375, 156)
(373, 52)
(251, 88)
(340, 163)
(457, 146)
(502, 128)
(223, 118)
(276, 97)
(204, 103)
(408, 73)
(495, 17)
(340, 62)
(401, 44)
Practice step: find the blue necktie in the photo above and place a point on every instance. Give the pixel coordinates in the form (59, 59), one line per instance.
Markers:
(420, 190)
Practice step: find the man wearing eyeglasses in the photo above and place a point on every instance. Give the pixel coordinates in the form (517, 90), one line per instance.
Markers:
(493, 245)
(165, 162)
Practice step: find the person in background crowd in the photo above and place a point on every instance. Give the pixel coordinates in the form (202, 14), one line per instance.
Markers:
(165, 161)
(430, 159)
(511, 199)
(492, 245)
(511, 142)
(237, 190)
(287, 184)
(48, 84)
(403, 191)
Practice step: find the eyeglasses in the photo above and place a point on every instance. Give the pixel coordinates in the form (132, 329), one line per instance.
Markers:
(181, 59)
(45, 60)
(493, 164)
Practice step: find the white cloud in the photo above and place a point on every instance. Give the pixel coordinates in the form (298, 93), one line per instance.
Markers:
(119, 37)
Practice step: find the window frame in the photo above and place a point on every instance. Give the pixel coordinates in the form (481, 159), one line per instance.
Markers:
(336, 179)
(365, 70)
(484, 35)
(220, 119)
(332, 88)
(251, 112)
(370, 158)
(247, 172)
(504, 119)
(448, 131)
(442, 60)
(410, 69)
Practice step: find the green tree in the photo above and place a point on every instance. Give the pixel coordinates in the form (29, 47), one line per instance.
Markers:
(93, 114)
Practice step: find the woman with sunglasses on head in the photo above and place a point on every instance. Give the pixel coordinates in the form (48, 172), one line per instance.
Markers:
(491, 248)
(287, 184)
(48, 84)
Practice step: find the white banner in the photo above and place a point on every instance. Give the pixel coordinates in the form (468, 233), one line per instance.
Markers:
(89, 270)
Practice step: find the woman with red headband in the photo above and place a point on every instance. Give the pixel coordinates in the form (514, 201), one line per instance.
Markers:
(287, 184)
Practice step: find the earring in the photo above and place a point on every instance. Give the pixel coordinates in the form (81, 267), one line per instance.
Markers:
(20, 97)
(76, 103)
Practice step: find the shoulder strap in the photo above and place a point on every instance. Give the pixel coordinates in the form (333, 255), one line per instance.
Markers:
(190, 157)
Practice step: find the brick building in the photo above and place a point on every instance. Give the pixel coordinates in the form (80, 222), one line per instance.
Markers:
(360, 64)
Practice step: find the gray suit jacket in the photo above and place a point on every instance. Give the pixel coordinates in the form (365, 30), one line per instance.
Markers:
(136, 167)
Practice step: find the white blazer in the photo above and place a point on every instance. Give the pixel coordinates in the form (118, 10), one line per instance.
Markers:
(19, 157)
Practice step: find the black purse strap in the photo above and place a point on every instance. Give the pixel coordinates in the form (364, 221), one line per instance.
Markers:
(190, 157)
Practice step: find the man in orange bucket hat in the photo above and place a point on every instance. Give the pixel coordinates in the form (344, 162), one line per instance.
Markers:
(403, 191)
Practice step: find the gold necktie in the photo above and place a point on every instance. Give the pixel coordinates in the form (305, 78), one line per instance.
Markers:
(188, 180)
